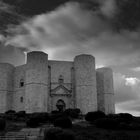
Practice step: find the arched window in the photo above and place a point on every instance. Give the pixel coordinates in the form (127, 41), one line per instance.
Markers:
(21, 99)
(21, 82)
(61, 79)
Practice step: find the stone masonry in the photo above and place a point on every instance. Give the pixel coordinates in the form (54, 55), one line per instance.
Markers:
(41, 85)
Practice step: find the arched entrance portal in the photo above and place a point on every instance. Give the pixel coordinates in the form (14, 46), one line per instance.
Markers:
(60, 105)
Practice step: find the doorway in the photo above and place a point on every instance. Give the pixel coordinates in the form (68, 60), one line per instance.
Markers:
(60, 105)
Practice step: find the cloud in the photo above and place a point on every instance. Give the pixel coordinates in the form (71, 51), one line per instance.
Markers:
(72, 30)
(68, 25)
(127, 94)
(136, 69)
(108, 8)
(128, 15)
(122, 14)
(11, 54)
(132, 81)
(132, 107)
(34, 7)
(8, 17)
(126, 88)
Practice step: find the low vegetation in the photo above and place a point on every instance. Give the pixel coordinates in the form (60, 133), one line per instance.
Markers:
(94, 126)
(63, 122)
(2, 124)
(57, 133)
(92, 116)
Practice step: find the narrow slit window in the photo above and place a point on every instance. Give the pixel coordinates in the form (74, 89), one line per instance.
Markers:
(21, 83)
(21, 99)
(61, 79)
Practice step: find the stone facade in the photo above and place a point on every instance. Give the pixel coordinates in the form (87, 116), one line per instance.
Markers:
(43, 85)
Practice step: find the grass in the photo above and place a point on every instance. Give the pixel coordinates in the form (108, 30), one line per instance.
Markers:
(85, 131)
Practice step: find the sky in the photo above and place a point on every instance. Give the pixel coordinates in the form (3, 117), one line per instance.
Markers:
(107, 29)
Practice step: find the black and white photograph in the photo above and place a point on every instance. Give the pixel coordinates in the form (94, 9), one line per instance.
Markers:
(69, 69)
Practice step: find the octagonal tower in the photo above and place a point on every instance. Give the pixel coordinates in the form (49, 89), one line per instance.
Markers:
(105, 90)
(85, 80)
(36, 91)
(6, 86)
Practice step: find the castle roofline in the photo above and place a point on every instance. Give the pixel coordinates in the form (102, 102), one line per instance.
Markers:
(36, 52)
(104, 69)
(5, 63)
(60, 61)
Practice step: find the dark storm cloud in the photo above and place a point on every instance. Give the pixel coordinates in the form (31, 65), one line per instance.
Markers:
(35, 7)
(128, 16)
(125, 16)
(8, 17)
(74, 29)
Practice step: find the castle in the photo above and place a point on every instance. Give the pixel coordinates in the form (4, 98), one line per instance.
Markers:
(43, 85)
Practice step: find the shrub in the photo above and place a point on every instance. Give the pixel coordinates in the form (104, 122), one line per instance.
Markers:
(2, 124)
(53, 117)
(73, 113)
(106, 123)
(66, 135)
(134, 126)
(10, 112)
(126, 116)
(123, 118)
(51, 134)
(63, 122)
(35, 119)
(32, 122)
(2, 115)
(123, 125)
(45, 117)
(55, 112)
(58, 134)
(77, 110)
(92, 116)
(112, 116)
(11, 117)
(40, 117)
(21, 114)
(68, 111)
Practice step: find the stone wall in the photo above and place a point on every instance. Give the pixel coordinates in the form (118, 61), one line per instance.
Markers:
(6, 86)
(100, 90)
(44, 81)
(85, 80)
(19, 90)
(58, 69)
(66, 99)
(105, 90)
(36, 90)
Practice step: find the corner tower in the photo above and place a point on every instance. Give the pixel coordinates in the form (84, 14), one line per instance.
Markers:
(85, 83)
(36, 90)
(6, 86)
(105, 90)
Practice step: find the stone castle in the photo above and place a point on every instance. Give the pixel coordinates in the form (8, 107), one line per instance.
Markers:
(43, 85)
